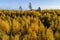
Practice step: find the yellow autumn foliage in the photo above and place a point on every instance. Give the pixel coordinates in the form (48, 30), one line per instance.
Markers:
(16, 25)
(29, 25)
(49, 35)
(4, 25)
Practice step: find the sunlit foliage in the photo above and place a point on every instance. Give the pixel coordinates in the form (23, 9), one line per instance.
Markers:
(29, 24)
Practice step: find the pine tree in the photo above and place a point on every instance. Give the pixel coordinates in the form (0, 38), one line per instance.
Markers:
(39, 9)
(30, 6)
(20, 8)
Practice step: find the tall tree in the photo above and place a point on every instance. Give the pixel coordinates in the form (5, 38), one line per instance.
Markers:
(39, 9)
(30, 6)
(20, 8)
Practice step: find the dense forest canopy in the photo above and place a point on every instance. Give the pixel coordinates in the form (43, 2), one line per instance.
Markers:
(30, 24)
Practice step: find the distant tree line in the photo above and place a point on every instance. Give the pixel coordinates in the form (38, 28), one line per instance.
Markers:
(30, 7)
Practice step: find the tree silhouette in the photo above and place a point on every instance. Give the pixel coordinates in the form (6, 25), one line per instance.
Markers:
(30, 6)
(39, 9)
(20, 7)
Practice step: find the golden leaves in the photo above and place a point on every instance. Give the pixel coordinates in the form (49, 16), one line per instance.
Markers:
(28, 25)
(4, 25)
(16, 37)
(49, 34)
(16, 25)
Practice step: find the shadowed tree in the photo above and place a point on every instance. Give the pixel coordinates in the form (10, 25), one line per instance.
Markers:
(30, 6)
(46, 22)
(39, 9)
(20, 8)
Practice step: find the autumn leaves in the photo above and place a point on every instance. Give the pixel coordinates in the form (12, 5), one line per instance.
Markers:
(29, 25)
